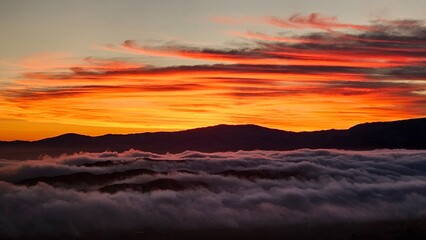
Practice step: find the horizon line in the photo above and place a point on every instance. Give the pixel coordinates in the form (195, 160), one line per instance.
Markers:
(211, 126)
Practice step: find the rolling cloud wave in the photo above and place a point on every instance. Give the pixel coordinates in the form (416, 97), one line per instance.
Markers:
(234, 190)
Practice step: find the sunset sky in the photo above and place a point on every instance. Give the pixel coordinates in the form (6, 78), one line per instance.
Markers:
(98, 67)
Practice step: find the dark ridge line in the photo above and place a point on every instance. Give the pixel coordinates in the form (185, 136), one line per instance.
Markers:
(402, 134)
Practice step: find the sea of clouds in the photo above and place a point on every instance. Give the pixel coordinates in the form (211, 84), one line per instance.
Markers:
(324, 187)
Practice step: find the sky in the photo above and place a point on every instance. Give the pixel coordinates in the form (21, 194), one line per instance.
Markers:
(98, 67)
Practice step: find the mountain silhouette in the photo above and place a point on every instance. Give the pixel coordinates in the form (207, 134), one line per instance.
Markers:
(407, 134)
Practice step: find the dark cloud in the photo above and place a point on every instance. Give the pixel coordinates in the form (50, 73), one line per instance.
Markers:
(406, 72)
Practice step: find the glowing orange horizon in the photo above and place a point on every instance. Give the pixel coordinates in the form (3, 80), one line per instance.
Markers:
(327, 79)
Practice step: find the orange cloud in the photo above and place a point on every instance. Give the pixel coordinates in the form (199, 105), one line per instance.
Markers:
(263, 36)
(297, 21)
(372, 46)
(298, 82)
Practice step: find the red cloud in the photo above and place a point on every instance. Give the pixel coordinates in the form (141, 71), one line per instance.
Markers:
(313, 20)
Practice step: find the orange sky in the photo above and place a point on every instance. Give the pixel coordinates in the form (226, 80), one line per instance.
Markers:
(333, 75)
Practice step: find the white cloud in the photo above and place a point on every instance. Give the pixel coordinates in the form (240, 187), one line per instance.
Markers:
(320, 186)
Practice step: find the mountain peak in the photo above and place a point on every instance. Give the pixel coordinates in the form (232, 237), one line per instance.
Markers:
(66, 136)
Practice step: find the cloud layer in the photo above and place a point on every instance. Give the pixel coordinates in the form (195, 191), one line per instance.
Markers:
(236, 190)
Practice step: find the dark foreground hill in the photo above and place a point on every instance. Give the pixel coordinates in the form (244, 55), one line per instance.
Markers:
(408, 134)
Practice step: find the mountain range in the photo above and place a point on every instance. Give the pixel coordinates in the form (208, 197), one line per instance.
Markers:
(407, 134)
